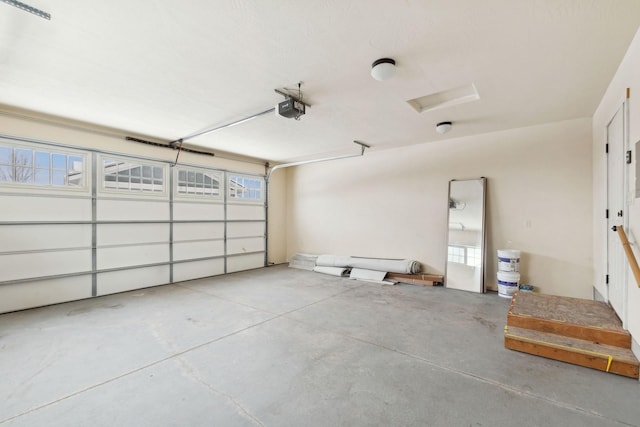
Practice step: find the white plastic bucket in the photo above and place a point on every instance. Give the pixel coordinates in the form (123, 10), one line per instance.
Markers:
(507, 283)
(508, 260)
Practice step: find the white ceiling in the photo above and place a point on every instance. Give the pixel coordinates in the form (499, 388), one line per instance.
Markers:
(168, 68)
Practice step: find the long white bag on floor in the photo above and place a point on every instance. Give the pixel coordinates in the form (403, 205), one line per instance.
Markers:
(403, 266)
(333, 261)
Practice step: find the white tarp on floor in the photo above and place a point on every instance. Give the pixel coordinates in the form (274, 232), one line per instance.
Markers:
(371, 276)
(333, 271)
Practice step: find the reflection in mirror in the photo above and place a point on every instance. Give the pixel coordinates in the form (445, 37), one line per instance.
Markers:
(466, 235)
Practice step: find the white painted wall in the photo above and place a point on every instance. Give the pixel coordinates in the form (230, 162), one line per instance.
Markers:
(29, 124)
(626, 77)
(277, 221)
(393, 203)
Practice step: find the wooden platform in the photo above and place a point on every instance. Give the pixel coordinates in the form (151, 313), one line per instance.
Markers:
(571, 317)
(582, 332)
(417, 279)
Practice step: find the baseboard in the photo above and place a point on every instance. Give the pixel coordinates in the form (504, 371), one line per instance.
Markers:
(597, 296)
(635, 348)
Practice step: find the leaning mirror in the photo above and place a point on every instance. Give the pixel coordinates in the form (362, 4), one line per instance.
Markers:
(466, 235)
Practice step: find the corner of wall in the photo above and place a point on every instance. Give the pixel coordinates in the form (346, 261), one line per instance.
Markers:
(597, 296)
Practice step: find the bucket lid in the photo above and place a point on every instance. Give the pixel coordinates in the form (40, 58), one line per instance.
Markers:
(509, 253)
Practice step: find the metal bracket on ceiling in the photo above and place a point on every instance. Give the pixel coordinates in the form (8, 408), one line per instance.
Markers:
(362, 145)
(27, 8)
(173, 144)
(247, 118)
(226, 125)
(294, 97)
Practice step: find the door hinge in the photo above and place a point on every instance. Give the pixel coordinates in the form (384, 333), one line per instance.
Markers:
(628, 157)
(606, 213)
(620, 214)
(606, 148)
(606, 279)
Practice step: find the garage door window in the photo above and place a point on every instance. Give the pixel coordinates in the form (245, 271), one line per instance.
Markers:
(198, 182)
(130, 176)
(245, 188)
(23, 165)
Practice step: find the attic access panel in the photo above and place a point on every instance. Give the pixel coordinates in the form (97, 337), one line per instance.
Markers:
(445, 98)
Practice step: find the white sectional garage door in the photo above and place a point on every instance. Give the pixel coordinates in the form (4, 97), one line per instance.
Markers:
(76, 224)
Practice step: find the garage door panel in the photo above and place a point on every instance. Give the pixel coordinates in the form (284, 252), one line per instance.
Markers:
(132, 210)
(239, 246)
(15, 238)
(128, 280)
(198, 211)
(197, 269)
(25, 208)
(245, 229)
(126, 256)
(37, 293)
(245, 262)
(122, 234)
(39, 264)
(129, 227)
(201, 230)
(241, 211)
(192, 250)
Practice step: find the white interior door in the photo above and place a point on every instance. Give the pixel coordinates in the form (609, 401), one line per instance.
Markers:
(616, 265)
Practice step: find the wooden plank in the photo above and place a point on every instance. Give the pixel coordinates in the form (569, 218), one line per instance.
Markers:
(571, 350)
(570, 317)
(596, 335)
(572, 310)
(417, 279)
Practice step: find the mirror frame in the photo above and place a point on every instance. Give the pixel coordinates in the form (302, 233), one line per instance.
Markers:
(483, 234)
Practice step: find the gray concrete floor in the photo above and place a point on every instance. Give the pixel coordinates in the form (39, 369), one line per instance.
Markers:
(285, 347)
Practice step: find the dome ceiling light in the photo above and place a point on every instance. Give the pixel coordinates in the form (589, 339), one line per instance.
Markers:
(383, 69)
(443, 127)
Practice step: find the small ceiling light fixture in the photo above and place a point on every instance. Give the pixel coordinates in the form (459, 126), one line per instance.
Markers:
(383, 69)
(443, 127)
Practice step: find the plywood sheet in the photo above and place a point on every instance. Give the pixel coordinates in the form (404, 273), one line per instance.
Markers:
(417, 279)
(565, 309)
(570, 317)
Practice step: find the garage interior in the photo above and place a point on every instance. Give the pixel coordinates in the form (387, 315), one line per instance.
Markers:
(162, 163)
